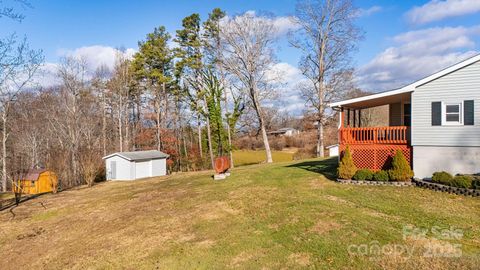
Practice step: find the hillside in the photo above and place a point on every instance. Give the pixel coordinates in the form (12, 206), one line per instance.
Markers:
(284, 215)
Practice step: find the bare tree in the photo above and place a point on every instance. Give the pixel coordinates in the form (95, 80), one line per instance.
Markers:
(247, 53)
(119, 86)
(18, 65)
(68, 121)
(326, 37)
(100, 84)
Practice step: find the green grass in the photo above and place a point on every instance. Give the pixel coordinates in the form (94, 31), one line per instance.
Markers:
(249, 157)
(284, 215)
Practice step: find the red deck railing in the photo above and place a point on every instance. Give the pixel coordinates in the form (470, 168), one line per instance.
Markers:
(373, 135)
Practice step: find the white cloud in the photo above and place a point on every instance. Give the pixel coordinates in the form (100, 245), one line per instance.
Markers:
(97, 55)
(47, 75)
(281, 24)
(417, 54)
(436, 10)
(288, 78)
(365, 12)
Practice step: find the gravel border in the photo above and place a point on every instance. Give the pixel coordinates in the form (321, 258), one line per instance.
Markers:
(449, 189)
(375, 183)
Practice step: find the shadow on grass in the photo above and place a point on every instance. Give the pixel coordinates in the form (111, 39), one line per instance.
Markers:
(327, 167)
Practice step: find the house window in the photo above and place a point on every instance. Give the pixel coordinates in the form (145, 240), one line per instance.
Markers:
(452, 114)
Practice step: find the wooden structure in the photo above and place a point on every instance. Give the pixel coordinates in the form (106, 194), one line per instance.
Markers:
(434, 121)
(222, 164)
(36, 181)
(374, 147)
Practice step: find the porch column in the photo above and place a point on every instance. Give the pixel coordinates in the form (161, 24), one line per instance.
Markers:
(360, 118)
(354, 118)
(348, 117)
(341, 123)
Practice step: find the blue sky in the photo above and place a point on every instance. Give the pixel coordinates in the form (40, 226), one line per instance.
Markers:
(404, 40)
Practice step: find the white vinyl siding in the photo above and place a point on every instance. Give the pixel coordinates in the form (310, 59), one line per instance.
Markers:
(453, 88)
(143, 169)
(123, 168)
(159, 167)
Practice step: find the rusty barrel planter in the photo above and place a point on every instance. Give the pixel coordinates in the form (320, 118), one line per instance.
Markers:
(222, 164)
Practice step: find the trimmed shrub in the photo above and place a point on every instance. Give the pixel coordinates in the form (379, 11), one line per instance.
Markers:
(401, 170)
(476, 182)
(346, 168)
(381, 176)
(363, 174)
(462, 181)
(442, 178)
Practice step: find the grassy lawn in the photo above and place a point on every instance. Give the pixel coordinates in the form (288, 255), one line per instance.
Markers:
(249, 157)
(285, 215)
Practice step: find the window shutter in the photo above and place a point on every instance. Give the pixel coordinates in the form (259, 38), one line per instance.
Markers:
(468, 112)
(436, 113)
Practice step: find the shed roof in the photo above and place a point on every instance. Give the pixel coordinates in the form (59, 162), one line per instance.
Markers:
(139, 155)
(33, 174)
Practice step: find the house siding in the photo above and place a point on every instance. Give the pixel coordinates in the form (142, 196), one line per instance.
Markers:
(430, 159)
(461, 85)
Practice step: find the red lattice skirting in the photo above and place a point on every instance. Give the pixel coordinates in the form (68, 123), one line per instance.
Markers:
(377, 156)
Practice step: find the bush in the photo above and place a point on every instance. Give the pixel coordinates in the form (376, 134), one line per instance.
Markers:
(346, 168)
(401, 170)
(363, 174)
(476, 182)
(462, 181)
(381, 176)
(442, 178)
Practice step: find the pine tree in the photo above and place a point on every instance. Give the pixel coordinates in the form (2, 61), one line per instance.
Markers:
(152, 65)
(401, 170)
(347, 168)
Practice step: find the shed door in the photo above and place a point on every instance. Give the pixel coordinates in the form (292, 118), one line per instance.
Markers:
(113, 169)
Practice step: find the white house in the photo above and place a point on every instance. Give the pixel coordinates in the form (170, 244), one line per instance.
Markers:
(289, 132)
(435, 122)
(135, 165)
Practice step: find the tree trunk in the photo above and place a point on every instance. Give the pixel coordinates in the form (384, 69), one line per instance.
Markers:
(209, 136)
(127, 129)
(120, 124)
(159, 136)
(268, 152)
(199, 137)
(258, 110)
(104, 124)
(229, 134)
(4, 150)
(320, 143)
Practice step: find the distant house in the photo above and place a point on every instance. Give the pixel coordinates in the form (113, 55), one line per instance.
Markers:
(289, 132)
(36, 181)
(135, 165)
(435, 122)
(333, 150)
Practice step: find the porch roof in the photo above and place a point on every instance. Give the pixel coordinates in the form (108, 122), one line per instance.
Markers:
(374, 100)
(393, 96)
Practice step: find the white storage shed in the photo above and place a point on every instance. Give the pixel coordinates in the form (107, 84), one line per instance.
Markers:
(332, 150)
(135, 165)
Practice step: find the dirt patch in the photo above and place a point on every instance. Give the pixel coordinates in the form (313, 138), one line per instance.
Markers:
(241, 258)
(324, 226)
(317, 184)
(301, 258)
(338, 200)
